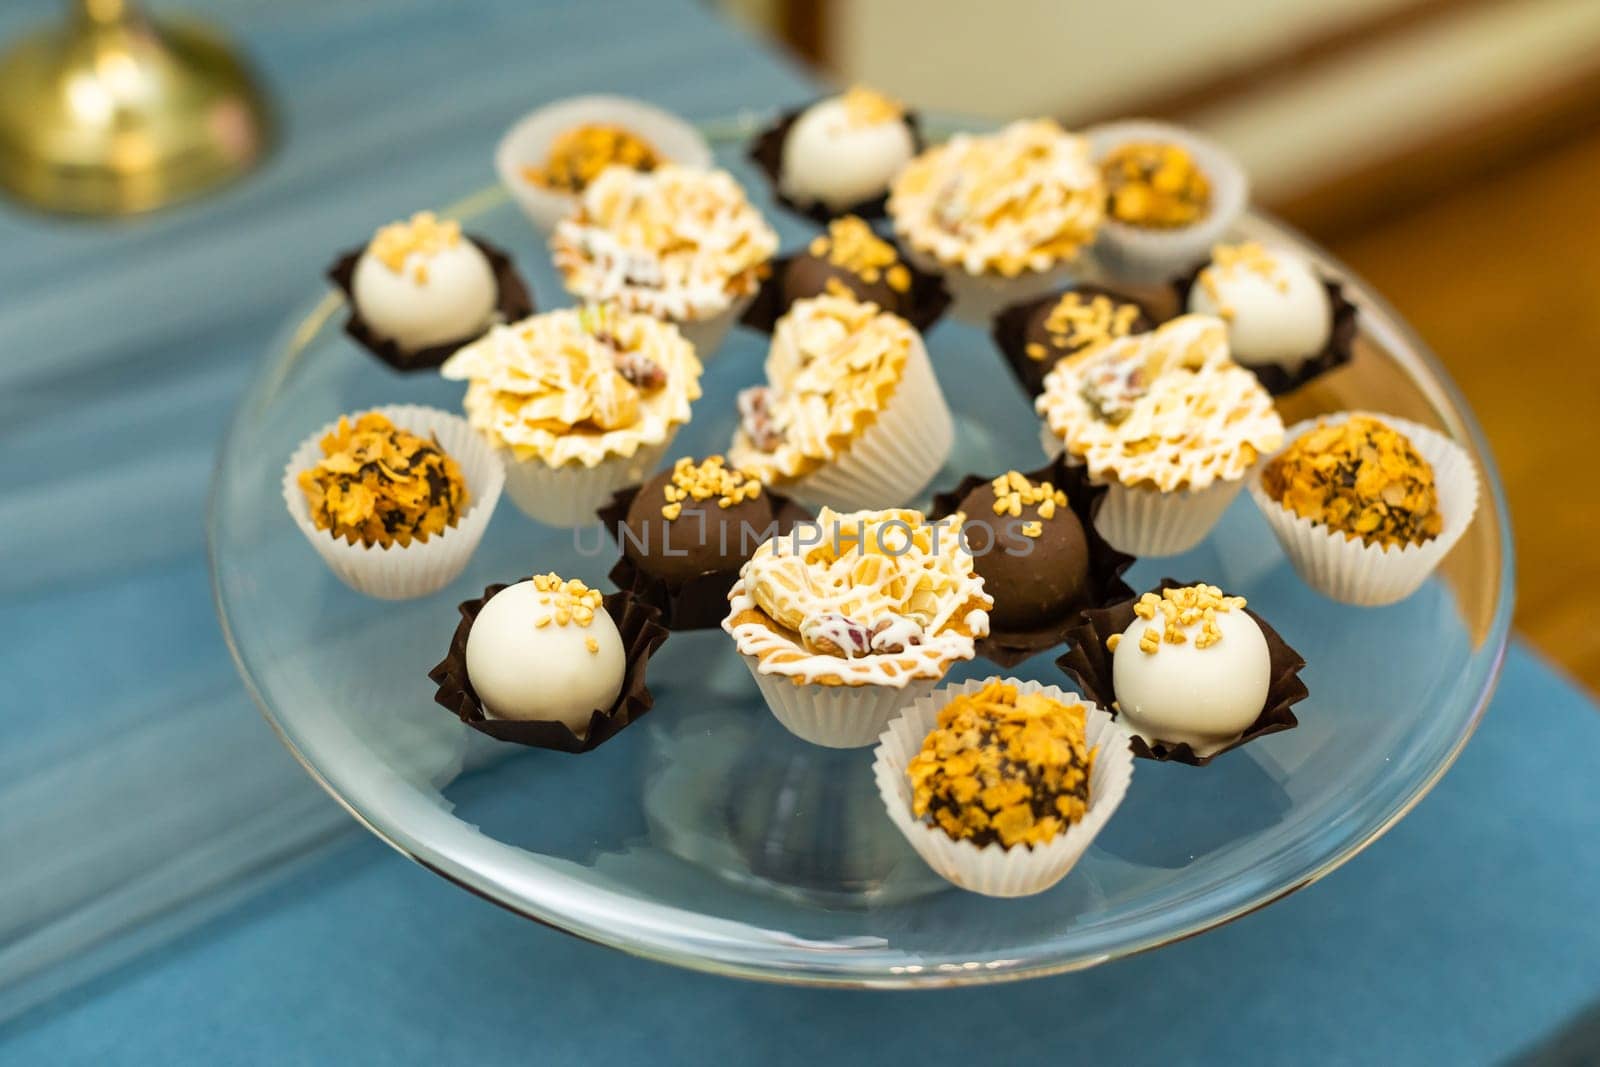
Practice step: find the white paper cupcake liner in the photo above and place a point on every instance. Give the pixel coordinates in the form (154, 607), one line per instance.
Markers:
(993, 870)
(977, 298)
(1137, 254)
(892, 460)
(571, 494)
(528, 144)
(1353, 572)
(707, 335)
(1148, 522)
(835, 716)
(422, 567)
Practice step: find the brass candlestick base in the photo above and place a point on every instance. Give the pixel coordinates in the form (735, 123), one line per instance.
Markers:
(111, 115)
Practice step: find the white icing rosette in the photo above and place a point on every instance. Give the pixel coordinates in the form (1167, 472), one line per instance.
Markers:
(994, 870)
(422, 567)
(893, 459)
(528, 144)
(1353, 572)
(1149, 254)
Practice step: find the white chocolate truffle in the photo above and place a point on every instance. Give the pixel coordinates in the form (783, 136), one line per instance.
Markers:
(420, 283)
(844, 150)
(1205, 689)
(526, 664)
(1276, 308)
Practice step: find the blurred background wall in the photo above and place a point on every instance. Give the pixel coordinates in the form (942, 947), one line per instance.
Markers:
(1448, 150)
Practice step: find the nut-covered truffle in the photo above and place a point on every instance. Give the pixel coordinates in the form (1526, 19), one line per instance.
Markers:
(380, 485)
(1361, 478)
(1036, 566)
(1153, 184)
(1004, 766)
(578, 155)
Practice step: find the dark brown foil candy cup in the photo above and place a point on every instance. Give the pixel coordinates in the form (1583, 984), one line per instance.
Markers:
(1106, 564)
(513, 303)
(642, 633)
(1335, 353)
(929, 299)
(1010, 332)
(766, 152)
(701, 603)
(1088, 663)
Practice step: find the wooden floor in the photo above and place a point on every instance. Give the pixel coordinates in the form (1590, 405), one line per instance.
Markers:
(1502, 277)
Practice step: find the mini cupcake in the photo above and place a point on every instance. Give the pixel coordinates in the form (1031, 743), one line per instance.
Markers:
(846, 620)
(1035, 335)
(1366, 506)
(999, 785)
(685, 533)
(680, 243)
(1033, 542)
(1169, 422)
(549, 663)
(851, 415)
(582, 401)
(838, 155)
(1188, 670)
(1284, 322)
(420, 289)
(850, 260)
(551, 155)
(1170, 195)
(1003, 217)
(394, 500)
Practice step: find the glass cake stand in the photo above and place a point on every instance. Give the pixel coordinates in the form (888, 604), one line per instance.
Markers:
(706, 835)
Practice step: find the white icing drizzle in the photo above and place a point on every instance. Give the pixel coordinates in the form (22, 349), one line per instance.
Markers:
(675, 242)
(549, 387)
(891, 595)
(833, 364)
(1025, 198)
(1168, 408)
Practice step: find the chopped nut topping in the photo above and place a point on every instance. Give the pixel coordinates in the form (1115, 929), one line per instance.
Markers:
(1173, 611)
(381, 485)
(1013, 492)
(868, 107)
(1004, 766)
(851, 245)
(1079, 323)
(1361, 478)
(570, 601)
(578, 155)
(1228, 261)
(1153, 184)
(713, 479)
(424, 234)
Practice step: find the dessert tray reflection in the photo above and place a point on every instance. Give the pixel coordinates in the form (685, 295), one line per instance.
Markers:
(849, 463)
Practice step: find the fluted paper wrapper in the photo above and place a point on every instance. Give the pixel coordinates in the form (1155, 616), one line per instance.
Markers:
(1152, 254)
(892, 460)
(707, 335)
(1091, 667)
(977, 298)
(1149, 522)
(834, 716)
(639, 626)
(422, 567)
(569, 495)
(512, 302)
(1353, 572)
(993, 870)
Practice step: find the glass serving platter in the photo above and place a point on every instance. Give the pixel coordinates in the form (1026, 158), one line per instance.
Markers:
(707, 836)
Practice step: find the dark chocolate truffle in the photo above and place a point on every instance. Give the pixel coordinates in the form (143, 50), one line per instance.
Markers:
(694, 519)
(1036, 335)
(850, 258)
(1037, 567)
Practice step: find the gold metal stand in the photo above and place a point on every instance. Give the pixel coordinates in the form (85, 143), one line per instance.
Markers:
(112, 115)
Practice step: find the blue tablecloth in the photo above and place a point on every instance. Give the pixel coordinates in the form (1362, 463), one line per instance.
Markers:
(143, 794)
(1466, 935)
